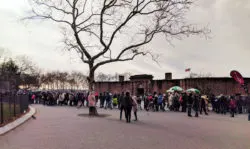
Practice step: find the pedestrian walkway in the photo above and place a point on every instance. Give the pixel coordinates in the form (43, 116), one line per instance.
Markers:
(62, 128)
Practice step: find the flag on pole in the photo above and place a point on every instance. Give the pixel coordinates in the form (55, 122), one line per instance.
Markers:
(188, 69)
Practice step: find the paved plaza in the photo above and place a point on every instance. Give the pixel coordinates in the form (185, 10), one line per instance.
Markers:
(62, 128)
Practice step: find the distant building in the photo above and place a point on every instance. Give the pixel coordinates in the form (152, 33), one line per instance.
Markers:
(144, 84)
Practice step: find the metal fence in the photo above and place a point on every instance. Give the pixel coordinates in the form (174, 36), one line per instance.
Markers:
(12, 106)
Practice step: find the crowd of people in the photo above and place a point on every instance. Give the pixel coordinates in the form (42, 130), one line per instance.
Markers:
(174, 101)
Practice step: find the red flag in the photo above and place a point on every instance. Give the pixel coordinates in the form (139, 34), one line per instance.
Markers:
(187, 70)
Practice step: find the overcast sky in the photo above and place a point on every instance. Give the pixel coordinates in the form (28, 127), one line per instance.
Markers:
(228, 49)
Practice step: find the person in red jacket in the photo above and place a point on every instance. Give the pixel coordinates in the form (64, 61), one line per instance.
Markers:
(33, 97)
(232, 105)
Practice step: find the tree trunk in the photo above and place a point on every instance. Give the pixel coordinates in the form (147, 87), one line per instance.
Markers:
(91, 81)
(91, 78)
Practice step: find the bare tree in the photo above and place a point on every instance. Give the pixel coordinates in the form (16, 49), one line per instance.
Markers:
(29, 80)
(101, 77)
(44, 80)
(80, 78)
(63, 79)
(5, 54)
(26, 65)
(94, 27)
(112, 77)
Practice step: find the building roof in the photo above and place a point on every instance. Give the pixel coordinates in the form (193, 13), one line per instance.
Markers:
(141, 76)
(146, 76)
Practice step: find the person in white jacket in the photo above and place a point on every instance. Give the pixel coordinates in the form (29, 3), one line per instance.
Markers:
(135, 106)
(170, 101)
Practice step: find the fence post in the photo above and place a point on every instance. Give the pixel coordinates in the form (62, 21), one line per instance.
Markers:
(14, 106)
(1, 98)
(10, 112)
(21, 104)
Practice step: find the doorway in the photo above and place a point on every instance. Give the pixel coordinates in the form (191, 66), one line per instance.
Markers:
(140, 91)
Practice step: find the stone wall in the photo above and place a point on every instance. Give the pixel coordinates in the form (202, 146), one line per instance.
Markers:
(160, 86)
(217, 86)
(114, 87)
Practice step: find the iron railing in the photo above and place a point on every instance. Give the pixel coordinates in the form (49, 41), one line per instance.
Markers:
(12, 106)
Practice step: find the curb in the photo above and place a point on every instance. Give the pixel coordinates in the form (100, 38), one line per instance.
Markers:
(17, 122)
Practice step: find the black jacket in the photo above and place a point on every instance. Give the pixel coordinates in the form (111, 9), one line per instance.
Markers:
(128, 101)
(248, 103)
(122, 100)
(184, 99)
(190, 100)
(196, 101)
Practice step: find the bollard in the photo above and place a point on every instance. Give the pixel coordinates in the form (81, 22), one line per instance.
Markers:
(248, 116)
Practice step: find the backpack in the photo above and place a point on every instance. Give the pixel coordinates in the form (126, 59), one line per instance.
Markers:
(160, 98)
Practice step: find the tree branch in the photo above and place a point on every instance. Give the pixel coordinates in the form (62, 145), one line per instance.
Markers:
(74, 28)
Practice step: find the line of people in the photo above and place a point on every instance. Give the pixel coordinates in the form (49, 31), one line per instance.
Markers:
(184, 102)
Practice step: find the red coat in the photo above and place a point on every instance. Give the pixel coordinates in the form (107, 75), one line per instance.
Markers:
(150, 98)
(33, 97)
(232, 104)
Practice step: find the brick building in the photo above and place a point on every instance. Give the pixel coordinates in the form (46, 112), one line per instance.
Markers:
(144, 84)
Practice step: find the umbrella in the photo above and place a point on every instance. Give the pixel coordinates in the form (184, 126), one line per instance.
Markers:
(176, 88)
(169, 91)
(193, 90)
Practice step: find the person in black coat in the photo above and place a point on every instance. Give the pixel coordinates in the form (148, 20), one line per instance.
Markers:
(101, 100)
(189, 104)
(223, 104)
(184, 102)
(196, 105)
(212, 99)
(122, 105)
(66, 98)
(155, 97)
(239, 105)
(118, 100)
(248, 106)
(128, 106)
